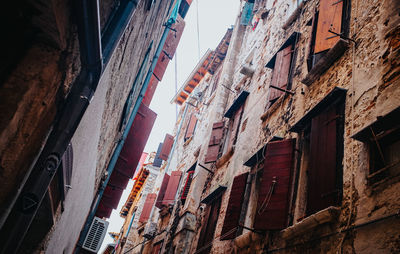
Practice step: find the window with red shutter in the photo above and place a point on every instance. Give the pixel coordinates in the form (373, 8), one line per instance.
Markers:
(172, 187)
(191, 127)
(148, 205)
(161, 192)
(186, 187)
(232, 216)
(167, 146)
(273, 196)
(174, 36)
(215, 142)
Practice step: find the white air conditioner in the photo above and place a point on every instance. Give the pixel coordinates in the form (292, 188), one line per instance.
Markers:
(95, 235)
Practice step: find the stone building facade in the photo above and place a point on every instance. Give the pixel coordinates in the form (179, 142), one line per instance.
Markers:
(291, 143)
(73, 79)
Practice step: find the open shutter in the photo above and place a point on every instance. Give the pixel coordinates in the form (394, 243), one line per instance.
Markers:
(172, 187)
(191, 126)
(322, 187)
(151, 89)
(157, 160)
(235, 127)
(148, 205)
(273, 197)
(167, 146)
(247, 13)
(187, 185)
(162, 190)
(280, 76)
(232, 215)
(174, 36)
(161, 66)
(215, 142)
(329, 18)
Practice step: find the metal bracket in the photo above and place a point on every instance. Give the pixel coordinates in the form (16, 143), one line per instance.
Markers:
(283, 90)
(341, 36)
(252, 229)
(206, 169)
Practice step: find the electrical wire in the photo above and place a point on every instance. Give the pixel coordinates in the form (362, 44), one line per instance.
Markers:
(198, 29)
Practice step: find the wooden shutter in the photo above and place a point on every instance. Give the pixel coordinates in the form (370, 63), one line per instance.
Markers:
(215, 142)
(157, 160)
(161, 192)
(311, 41)
(161, 66)
(208, 229)
(272, 209)
(167, 146)
(174, 36)
(157, 248)
(247, 13)
(235, 127)
(322, 188)
(280, 76)
(191, 126)
(234, 208)
(329, 18)
(187, 185)
(148, 205)
(172, 187)
(151, 89)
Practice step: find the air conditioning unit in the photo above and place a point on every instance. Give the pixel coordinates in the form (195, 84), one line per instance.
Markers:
(150, 230)
(95, 235)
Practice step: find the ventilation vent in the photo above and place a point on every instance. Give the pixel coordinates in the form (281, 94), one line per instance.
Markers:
(96, 234)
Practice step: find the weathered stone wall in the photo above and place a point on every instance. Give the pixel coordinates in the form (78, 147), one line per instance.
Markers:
(368, 70)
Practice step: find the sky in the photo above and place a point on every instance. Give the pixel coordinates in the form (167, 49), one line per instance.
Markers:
(215, 17)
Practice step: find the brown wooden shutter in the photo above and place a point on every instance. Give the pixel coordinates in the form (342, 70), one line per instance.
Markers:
(148, 205)
(191, 126)
(151, 89)
(172, 187)
(167, 146)
(157, 248)
(187, 185)
(215, 142)
(280, 76)
(161, 66)
(329, 18)
(273, 198)
(174, 36)
(207, 231)
(311, 40)
(234, 208)
(161, 192)
(322, 188)
(235, 127)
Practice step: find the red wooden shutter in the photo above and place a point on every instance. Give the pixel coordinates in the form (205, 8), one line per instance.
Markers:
(322, 188)
(234, 208)
(166, 148)
(215, 142)
(280, 76)
(187, 185)
(172, 187)
(191, 126)
(161, 192)
(148, 205)
(161, 66)
(157, 248)
(235, 127)
(174, 36)
(329, 18)
(148, 96)
(273, 197)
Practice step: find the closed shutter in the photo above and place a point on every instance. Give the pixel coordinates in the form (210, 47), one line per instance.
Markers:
(148, 205)
(280, 76)
(311, 41)
(235, 127)
(161, 66)
(148, 96)
(273, 196)
(329, 18)
(172, 187)
(247, 13)
(174, 35)
(191, 126)
(322, 188)
(157, 160)
(215, 142)
(161, 192)
(187, 185)
(234, 208)
(167, 146)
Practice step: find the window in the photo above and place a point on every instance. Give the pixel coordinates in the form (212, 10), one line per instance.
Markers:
(172, 187)
(383, 140)
(322, 132)
(247, 13)
(282, 64)
(329, 25)
(167, 146)
(214, 145)
(191, 127)
(210, 220)
(186, 187)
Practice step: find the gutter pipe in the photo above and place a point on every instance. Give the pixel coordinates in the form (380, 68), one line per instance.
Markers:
(118, 149)
(27, 202)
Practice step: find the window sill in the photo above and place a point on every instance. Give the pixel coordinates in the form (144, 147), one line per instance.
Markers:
(224, 158)
(188, 141)
(244, 240)
(294, 16)
(326, 61)
(308, 224)
(274, 107)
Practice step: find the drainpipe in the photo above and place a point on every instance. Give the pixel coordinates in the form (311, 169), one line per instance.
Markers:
(118, 149)
(16, 223)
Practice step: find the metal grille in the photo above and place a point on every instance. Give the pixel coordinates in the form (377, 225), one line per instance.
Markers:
(96, 234)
